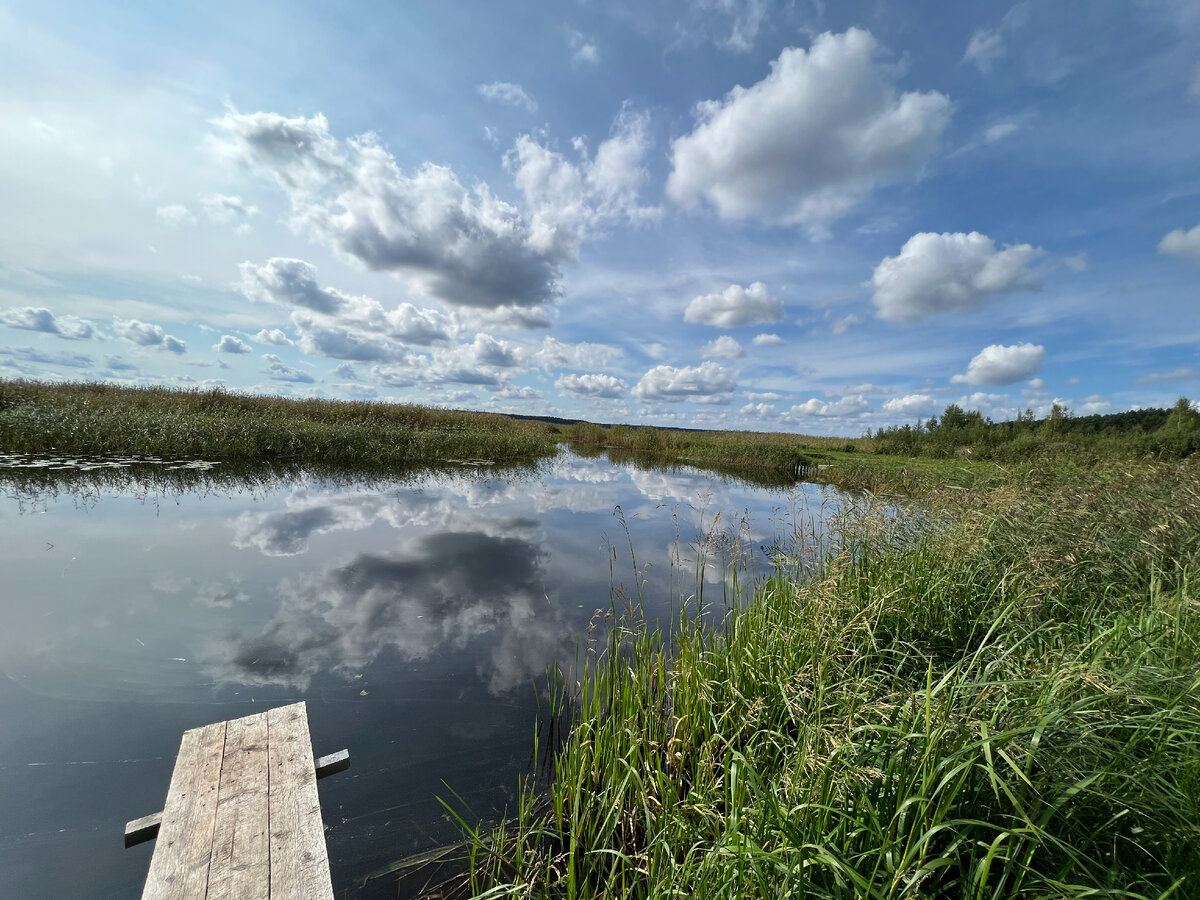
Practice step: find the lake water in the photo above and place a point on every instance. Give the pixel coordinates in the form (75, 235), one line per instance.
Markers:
(416, 616)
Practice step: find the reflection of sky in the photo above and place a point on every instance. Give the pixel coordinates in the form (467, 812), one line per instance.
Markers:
(422, 611)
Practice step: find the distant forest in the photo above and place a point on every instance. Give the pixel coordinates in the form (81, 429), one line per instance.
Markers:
(1172, 432)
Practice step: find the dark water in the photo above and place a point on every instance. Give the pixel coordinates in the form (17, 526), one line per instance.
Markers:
(415, 617)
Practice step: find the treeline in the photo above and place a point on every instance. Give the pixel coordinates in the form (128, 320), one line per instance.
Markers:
(1169, 432)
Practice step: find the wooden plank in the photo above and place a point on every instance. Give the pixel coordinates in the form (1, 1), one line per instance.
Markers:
(332, 764)
(179, 867)
(144, 829)
(240, 864)
(299, 860)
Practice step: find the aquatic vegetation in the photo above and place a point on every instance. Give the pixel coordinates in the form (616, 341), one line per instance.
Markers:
(220, 425)
(998, 698)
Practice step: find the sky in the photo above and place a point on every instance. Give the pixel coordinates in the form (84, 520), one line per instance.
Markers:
(806, 216)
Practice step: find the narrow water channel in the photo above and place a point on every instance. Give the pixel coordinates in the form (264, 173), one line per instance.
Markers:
(415, 615)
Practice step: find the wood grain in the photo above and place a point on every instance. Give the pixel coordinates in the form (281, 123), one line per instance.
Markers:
(179, 867)
(240, 864)
(299, 860)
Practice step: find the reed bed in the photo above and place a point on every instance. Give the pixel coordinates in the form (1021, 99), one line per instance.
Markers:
(103, 419)
(997, 696)
(730, 450)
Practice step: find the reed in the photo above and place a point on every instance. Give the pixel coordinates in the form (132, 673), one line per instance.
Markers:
(994, 696)
(102, 419)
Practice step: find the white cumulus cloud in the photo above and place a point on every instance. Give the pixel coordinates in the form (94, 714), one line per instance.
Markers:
(145, 334)
(566, 200)
(231, 344)
(592, 385)
(948, 272)
(274, 337)
(768, 340)
(735, 306)
(999, 365)
(706, 383)
(912, 405)
(723, 347)
(466, 247)
(38, 318)
(809, 141)
(1185, 244)
(850, 405)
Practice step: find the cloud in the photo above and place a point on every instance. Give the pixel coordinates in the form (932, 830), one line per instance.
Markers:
(1184, 244)
(998, 365)
(345, 326)
(735, 306)
(175, 215)
(274, 337)
(850, 405)
(29, 354)
(760, 411)
(507, 92)
(1077, 263)
(583, 50)
(601, 386)
(809, 141)
(947, 272)
(224, 208)
(278, 370)
(840, 326)
(289, 282)
(464, 592)
(144, 334)
(706, 383)
(555, 354)
(1180, 374)
(1093, 405)
(724, 347)
(984, 48)
(31, 318)
(231, 344)
(768, 340)
(467, 248)
(912, 405)
(565, 201)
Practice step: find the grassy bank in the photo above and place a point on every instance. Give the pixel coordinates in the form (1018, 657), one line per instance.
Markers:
(1003, 702)
(722, 450)
(216, 425)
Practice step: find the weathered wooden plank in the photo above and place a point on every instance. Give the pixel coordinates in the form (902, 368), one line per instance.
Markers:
(144, 829)
(299, 860)
(179, 867)
(332, 764)
(240, 864)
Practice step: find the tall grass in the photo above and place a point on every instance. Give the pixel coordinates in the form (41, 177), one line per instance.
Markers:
(999, 698)
(218, 425)
(737, 450)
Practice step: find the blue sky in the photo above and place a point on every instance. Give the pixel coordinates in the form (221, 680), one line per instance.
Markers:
(805, 216)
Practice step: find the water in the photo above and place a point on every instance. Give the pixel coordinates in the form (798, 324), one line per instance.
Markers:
(415, 616)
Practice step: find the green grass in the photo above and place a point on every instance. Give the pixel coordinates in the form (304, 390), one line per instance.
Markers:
(998, 697)
(741, 451)
(100, 419)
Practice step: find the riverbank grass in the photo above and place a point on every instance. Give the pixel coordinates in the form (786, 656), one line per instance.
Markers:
(102, 419)
(997, 698)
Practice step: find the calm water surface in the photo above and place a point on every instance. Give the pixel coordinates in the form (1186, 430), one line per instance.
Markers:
(415, 617)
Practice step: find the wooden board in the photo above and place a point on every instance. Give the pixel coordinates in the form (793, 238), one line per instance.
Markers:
(240, 864)
(179, 867)
(299, 860)
(242, 819)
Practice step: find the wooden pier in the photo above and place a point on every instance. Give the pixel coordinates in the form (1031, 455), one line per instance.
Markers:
(242, 818)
